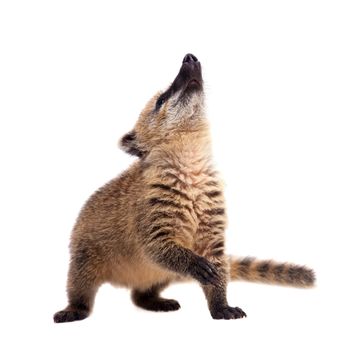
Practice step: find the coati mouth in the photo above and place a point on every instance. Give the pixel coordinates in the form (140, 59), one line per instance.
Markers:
(193, 83)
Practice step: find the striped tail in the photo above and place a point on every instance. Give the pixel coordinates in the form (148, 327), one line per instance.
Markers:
(269, 271)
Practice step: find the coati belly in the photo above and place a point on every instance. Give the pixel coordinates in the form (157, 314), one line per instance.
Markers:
(138, 273)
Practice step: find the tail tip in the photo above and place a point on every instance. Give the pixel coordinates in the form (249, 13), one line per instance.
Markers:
(306, 278)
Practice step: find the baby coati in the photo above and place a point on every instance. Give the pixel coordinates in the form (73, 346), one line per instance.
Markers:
(163, 220)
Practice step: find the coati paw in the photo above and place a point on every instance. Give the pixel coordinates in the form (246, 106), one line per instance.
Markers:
(157, 304)
(165, 305)
(227, 313)
(204, 271)
(70, 315)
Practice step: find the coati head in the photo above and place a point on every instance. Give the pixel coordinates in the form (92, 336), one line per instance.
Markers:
(179, 109)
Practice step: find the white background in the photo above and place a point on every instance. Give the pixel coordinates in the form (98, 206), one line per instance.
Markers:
(74, 76)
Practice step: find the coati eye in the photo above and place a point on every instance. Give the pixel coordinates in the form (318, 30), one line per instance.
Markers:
(160, 102)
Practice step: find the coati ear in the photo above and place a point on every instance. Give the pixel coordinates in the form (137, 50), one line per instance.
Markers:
(129, 144)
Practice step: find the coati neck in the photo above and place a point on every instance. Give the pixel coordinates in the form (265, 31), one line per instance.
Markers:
(186, 155)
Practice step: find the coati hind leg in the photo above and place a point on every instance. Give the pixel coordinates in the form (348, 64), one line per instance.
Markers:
(150, 299)
(81, 288)
(79, 308)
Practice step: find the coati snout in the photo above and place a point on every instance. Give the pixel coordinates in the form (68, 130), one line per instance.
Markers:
(188, 81)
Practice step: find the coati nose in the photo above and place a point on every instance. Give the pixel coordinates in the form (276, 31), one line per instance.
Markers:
(190, 58)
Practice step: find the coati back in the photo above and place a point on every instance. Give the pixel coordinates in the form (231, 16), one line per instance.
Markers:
(163, 219)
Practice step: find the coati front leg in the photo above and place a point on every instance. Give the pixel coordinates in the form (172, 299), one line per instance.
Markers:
(150, 299)
(216, 297)
(211, 245)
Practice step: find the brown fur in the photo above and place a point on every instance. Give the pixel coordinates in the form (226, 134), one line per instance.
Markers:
(269, 271)
(163, 219)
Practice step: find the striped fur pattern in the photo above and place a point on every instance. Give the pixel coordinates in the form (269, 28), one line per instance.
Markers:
(269, 271)
(164, 218)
